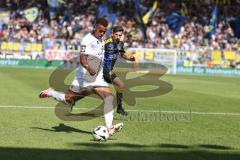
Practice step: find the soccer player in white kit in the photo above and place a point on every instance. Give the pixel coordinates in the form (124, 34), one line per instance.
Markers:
(89, 76)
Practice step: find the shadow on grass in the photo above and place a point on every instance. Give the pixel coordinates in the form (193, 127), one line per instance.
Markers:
(135, 153)
(63, 128)
(157, 146)
(208, 146)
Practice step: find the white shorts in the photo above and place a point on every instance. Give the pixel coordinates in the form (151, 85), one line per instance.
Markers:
(79, 82)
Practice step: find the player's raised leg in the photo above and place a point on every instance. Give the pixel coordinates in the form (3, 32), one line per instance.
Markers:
(69, 98)
(59, 96)
(50, 92)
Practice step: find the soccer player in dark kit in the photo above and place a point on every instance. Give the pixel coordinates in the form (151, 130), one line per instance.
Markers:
(114, 47)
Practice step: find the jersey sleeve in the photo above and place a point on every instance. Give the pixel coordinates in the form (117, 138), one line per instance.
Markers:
(86, 46)
(121, 47)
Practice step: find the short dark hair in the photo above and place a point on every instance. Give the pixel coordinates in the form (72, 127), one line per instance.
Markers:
(117, 29)
(102, 21)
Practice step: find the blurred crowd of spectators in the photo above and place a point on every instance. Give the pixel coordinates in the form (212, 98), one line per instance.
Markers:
(76, 17)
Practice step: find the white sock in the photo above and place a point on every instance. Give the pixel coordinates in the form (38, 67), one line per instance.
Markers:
(108, 111)
(59, 96)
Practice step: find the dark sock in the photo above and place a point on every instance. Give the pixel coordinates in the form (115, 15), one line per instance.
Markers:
(119, 100)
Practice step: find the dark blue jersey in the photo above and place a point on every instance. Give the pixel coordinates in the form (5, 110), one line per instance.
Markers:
(112, 52)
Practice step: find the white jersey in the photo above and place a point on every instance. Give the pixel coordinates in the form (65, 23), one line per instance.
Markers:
(94, 48)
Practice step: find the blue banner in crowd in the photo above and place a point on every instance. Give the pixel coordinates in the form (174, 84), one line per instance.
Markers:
(213, 23)
(138, 10)
(103, 11)
(235, 25)
(175, 21)
(55, 3)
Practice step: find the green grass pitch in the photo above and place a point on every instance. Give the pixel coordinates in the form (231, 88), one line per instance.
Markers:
(198, 120)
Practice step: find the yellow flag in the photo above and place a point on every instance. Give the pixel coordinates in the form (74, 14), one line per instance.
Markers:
(61, 1)
(150, 13)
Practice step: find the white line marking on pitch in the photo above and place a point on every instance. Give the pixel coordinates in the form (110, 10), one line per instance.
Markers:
(150, 111)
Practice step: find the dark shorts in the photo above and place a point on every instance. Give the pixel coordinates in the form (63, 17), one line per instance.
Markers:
(109, 76)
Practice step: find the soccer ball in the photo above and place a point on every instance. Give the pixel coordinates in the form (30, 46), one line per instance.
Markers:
(100, 133)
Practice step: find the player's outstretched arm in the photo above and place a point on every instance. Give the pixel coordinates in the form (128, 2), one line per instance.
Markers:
(84, 63)
(128, 57)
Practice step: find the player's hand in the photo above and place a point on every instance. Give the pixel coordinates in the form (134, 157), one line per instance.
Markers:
(132, 58)
(91, 71)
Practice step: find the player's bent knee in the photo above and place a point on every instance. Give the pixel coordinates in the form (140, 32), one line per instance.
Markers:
(120, 88)
(69, 97)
